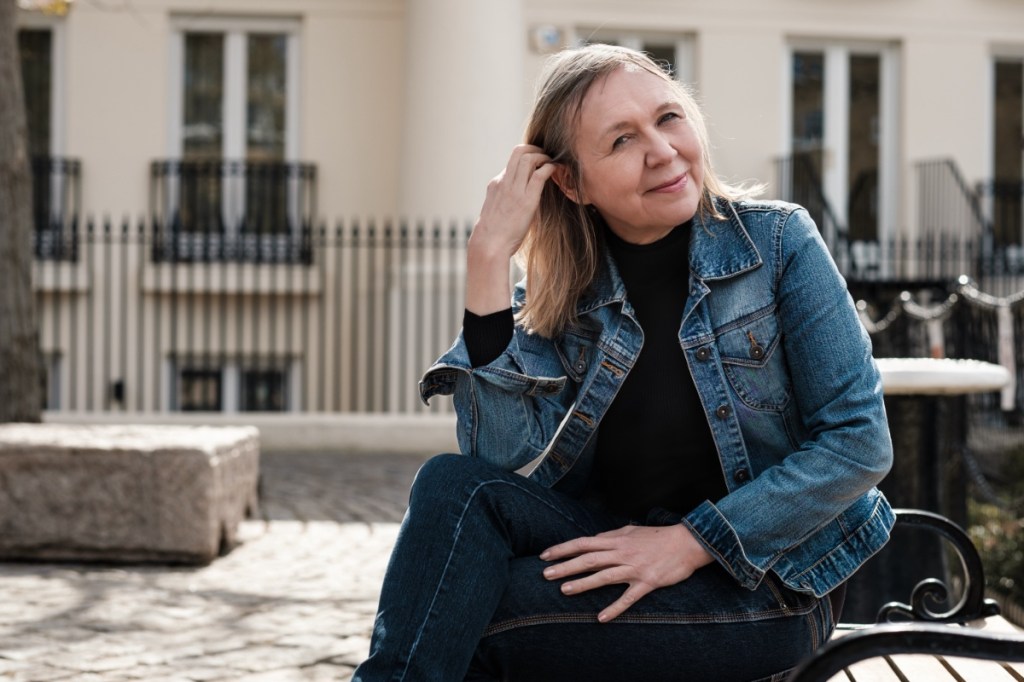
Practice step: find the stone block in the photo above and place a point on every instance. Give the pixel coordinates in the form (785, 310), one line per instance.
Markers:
(124, 493)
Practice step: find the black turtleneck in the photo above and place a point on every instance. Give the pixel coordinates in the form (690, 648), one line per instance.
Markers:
(654, 446)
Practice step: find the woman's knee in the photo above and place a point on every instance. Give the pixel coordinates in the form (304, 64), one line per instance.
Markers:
(448, 476)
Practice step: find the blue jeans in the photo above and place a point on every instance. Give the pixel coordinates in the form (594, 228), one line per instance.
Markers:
(464, 598)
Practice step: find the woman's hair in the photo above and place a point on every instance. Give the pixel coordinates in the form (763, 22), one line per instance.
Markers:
(561, 250)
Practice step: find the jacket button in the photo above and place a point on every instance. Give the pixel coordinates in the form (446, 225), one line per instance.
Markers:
(722, 412)
(703, 353)
(580, 366)
(741, 476)
(756, 352)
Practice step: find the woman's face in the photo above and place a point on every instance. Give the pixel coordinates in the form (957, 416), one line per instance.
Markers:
(639, 157)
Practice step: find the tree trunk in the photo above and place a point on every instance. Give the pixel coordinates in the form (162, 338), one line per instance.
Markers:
(20, 391)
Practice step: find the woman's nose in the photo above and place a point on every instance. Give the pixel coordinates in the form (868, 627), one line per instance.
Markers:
(660, 151)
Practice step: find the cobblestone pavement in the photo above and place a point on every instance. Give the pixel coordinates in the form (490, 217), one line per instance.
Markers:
(293, 601)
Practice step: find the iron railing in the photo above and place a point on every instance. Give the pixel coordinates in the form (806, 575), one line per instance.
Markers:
(225, 210)
(56, 202)
(350, 328)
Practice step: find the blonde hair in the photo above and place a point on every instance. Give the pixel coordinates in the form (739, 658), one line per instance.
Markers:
(561, 252)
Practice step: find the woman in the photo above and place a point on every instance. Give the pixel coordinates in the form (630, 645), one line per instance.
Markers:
(701, 442)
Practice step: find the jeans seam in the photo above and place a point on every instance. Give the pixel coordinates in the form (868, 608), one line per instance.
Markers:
(636, 619)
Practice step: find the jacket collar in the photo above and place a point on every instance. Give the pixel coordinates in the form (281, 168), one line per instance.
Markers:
(719, 248)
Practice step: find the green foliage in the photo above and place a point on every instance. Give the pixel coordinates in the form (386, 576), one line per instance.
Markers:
(998, 530)
(999, 536)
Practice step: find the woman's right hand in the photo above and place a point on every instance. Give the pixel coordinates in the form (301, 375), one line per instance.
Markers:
(509, 207)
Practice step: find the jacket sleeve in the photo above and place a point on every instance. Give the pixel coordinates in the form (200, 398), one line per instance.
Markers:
(838, 394)
(508, 410)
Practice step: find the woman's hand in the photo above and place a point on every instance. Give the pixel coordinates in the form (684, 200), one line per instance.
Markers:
(509, 208)
(643, 557)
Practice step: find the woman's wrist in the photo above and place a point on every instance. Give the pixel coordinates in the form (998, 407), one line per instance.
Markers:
(488, 271)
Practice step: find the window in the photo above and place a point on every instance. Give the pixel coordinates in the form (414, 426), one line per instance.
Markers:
(233, 140)
(673, 51)
(248, 385)
(55, 180)
(1004, 195)
(200, 389)
(263, 390)
(842, 164)
(35, 48)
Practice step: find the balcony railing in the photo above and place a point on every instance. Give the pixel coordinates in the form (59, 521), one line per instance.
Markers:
(56, 201)
(222, 210)
(1002, 201)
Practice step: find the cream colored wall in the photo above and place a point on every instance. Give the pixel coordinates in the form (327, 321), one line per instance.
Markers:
(353, 56)
(945, 48)
(359, 126)
(116, 71)
(115, 75)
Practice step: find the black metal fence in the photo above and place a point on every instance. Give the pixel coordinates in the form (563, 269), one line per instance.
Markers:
(56, 203)
(347, 328)
(348, 319)
(960, 230)
(222, 210)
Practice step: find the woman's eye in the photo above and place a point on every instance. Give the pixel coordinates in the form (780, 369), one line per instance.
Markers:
(671, 116)
(619, 141)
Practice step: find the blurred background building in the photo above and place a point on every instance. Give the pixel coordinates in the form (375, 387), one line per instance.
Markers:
(260, 205)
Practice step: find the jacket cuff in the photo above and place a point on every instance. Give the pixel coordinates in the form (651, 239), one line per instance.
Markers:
(719, 538)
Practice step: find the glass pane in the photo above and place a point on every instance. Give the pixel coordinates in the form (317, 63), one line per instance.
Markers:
(808, 132)
(1009, 113)
(202, 127)
(36, 72)
(263, 390)
(265, 107)
(665, 55)
(1007, 216)
(199, 390)
(862, 172)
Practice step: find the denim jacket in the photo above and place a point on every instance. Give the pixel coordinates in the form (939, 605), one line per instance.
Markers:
(784, 371)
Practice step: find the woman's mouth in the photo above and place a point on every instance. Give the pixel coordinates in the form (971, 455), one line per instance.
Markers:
(674, 185)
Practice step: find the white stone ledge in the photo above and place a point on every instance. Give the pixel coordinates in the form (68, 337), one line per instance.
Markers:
(305, 432)
(124, 493)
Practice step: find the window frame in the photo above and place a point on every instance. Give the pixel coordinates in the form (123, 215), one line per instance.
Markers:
(234, 125)
(837, 55)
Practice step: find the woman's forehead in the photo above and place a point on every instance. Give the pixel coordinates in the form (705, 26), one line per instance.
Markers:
(621, 91)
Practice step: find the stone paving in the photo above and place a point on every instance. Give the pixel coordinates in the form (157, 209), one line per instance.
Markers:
(293, 601)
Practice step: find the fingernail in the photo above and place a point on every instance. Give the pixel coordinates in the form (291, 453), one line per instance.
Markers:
(545, 554)
(602, 618)
(567, 588)
(548, 572)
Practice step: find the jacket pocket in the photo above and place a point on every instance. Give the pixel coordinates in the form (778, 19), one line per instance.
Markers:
(754, 362)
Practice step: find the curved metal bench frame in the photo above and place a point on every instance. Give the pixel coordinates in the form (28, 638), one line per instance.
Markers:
(922, 630)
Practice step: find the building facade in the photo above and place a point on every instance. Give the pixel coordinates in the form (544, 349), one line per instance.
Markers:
(289, 181)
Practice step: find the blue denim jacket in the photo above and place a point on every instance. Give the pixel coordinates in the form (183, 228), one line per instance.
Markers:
(783, 368)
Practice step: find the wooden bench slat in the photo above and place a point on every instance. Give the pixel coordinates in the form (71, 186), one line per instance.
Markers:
(974, 670)
(873, 670)
(928, 668)
(999, 625)
(922, 668)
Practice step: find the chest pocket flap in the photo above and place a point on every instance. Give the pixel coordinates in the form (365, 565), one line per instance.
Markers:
(754, 362)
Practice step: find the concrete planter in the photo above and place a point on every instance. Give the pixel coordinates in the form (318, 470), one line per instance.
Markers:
(124, 493)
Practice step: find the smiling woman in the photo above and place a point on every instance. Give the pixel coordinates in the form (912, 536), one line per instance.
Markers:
(684, 380)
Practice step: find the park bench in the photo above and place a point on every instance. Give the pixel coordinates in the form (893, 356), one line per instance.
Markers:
(969, 642)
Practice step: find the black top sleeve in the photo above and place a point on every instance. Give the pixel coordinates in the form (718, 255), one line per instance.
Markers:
(487, 336)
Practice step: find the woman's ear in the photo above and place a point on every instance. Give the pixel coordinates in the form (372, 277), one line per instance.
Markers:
(561, 178)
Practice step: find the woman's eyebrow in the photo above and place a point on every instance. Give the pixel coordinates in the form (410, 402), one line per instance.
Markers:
(622, 125)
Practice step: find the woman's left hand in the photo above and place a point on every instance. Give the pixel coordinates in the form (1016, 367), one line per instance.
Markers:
(643, 557)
